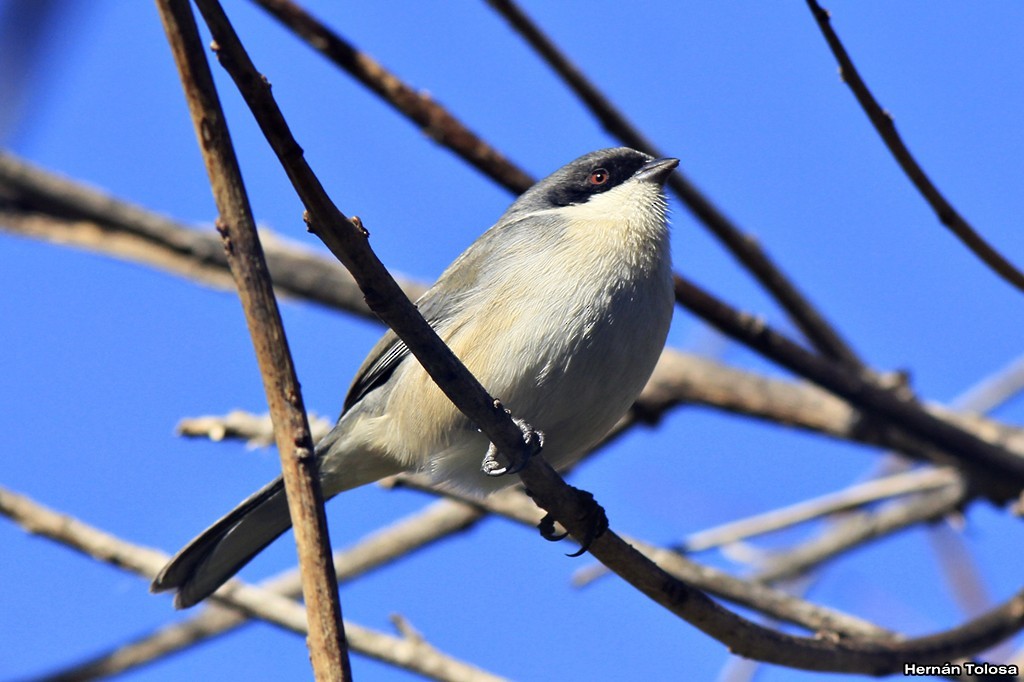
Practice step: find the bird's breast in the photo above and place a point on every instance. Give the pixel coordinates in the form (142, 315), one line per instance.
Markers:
(569, 343)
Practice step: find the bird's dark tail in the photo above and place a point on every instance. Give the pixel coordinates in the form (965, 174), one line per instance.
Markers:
(224, 548)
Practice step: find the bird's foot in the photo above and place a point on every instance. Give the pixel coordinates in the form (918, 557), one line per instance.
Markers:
(535, 439)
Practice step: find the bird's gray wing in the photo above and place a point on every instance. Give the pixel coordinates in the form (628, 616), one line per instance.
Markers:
(445, 302)
(437, 305)
(378, 367)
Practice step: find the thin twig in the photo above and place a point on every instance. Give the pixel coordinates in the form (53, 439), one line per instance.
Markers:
(883, 123)
(744, 248)
(858, 495)
(958, 568)
(801, 512)
(255, 430)
(993, 391)
(327, 645)
(417, 657)
(868, 526)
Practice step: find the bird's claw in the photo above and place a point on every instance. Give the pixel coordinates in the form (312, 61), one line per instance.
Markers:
(492, 467)
(593, 516)
(547, 529)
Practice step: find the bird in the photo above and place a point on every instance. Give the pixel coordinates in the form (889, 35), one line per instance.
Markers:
(561, 310)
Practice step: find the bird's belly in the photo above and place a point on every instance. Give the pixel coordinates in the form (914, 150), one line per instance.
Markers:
(575, 381)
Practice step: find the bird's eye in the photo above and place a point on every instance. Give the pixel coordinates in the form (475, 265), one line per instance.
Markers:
(599, 176)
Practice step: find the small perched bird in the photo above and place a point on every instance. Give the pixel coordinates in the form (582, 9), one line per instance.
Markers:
(560, 309)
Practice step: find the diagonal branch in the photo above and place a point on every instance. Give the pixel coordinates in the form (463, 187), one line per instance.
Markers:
(811, 322)
(993, 391)
(859, 495)
(327, 645)
(867, 526)
(41, 204)
(414, 655)
(999, 471)
(883, 123)
(433, 523)
(869, 649)
(432, 118)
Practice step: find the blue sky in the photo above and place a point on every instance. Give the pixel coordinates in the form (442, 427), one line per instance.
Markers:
(101, 358)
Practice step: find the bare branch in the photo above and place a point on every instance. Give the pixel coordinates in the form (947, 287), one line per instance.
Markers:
(40, 204)
(858, 495)
(418, 657)
(883, 123)
(862, 528)
(958, 567)
(327, 645)
(870, 649)
(435, 522)
(999, 472)
(995, 390)
(255, 430)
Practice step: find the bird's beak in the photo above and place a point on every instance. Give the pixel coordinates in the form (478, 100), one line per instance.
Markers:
(656, 171)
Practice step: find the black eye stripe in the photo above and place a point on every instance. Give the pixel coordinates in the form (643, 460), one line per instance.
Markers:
(577, 183)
